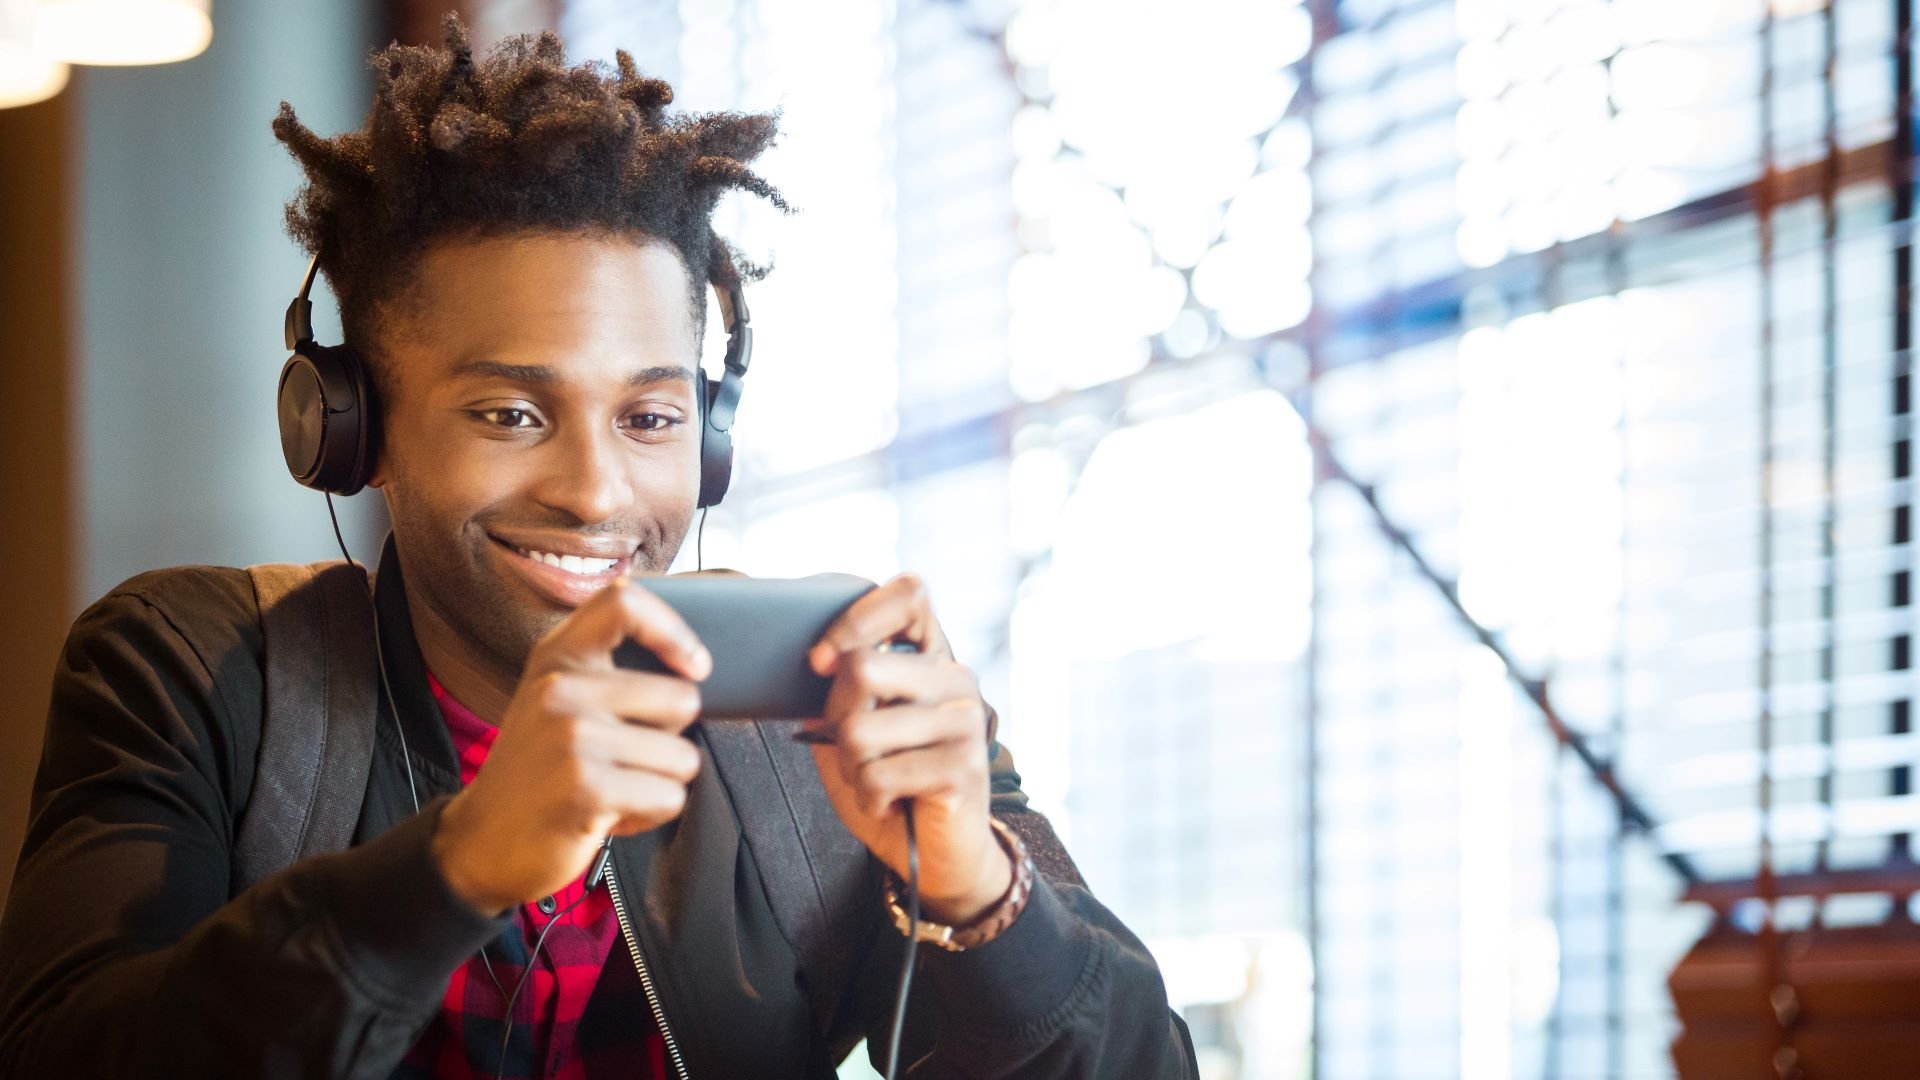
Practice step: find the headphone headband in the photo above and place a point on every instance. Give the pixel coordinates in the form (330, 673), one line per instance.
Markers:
(300, 312)
(720, 397)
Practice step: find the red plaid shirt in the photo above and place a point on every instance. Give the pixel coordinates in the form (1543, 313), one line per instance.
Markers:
(464, 1037)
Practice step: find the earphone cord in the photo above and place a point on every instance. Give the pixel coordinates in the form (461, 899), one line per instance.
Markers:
(506, 1022)
(906, 811)
(700, 542)
(913, 942)
(380, 656)
(414, 793)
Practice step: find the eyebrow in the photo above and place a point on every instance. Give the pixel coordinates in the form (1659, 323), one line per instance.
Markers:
(541, 374)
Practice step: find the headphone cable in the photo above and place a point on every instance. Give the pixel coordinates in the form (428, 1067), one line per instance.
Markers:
(413, 792)
(700, 543)
(906, 811)
(506, 1020)
(379, 656)
(913, 940)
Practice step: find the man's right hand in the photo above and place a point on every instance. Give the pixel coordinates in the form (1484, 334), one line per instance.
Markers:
(585, 749)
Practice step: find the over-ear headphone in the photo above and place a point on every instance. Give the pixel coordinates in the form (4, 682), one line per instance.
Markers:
(329, 431)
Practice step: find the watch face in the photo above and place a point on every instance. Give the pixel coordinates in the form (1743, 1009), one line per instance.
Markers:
(993, 922)
(923, 930)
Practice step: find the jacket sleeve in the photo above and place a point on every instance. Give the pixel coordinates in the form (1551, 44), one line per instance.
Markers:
(121, 953)
(1066, 991)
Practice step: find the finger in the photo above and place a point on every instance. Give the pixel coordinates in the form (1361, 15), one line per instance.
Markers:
(916, 774)
(900, 608)
(643, 697)
(890, 678)
(642, 799)
(630, 746)
(867, 735)
(585, 640)
(600, 618)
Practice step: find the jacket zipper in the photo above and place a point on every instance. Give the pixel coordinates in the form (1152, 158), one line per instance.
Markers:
(646, 981)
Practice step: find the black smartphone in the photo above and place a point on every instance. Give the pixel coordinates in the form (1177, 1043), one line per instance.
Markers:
(759, 631)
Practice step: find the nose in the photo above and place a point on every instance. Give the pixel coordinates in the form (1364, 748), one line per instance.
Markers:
(586, 475)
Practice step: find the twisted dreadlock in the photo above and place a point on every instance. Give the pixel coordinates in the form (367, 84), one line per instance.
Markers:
(516, 141)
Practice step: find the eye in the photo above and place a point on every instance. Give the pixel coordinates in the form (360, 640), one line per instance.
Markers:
(508, 418)
(652, 421)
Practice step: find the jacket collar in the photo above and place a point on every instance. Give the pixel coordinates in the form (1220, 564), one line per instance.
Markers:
(431, 748)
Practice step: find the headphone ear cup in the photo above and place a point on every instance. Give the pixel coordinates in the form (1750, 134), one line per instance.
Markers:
(325, 413)
(716, 449)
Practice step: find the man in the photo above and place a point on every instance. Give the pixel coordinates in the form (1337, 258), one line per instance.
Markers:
(521, 251)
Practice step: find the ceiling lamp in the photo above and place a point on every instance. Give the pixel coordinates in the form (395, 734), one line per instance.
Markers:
(26, 76)
(124, 31)
(27, 73)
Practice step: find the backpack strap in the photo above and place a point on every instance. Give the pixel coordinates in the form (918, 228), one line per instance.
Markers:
(317, 717)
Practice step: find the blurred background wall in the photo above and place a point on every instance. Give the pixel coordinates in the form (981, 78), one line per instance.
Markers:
(145, 275)
(181, 275)
(1341, 434)
(36, 452)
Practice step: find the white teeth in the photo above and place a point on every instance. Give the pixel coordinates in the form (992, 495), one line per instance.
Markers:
(572, 564)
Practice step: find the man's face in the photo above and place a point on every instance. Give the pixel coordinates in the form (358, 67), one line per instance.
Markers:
(539, 409)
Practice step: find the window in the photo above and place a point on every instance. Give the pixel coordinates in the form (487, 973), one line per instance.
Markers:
(1602, 300)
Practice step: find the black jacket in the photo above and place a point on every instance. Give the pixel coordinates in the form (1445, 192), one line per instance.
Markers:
(122, 952)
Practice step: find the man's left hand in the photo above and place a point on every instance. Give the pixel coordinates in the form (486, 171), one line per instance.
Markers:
(909, 726)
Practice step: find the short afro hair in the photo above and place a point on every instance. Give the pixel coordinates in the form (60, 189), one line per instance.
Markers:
(515, 142)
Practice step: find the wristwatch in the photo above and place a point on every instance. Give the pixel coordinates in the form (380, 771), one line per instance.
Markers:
(994, 920)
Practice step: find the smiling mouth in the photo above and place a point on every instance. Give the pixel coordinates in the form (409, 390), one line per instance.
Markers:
(578, 565)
